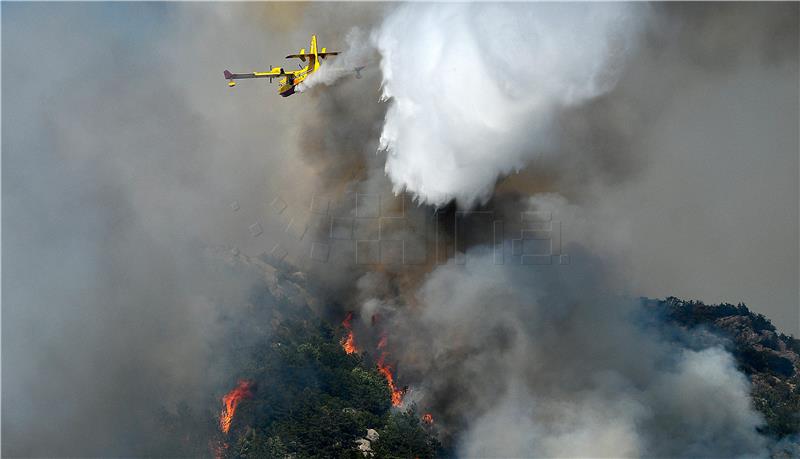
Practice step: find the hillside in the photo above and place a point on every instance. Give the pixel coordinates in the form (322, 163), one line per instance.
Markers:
(769, 358)
(296, 392)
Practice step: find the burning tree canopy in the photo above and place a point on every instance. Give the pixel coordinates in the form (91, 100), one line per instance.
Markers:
(320, 400)
(386, 371)
(230, 401)
(349, 346)
(348, 341)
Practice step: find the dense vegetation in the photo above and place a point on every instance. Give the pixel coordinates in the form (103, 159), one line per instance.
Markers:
(307, 397)
(311, 399)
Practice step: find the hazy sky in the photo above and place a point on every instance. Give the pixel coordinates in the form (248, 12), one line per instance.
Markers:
(123, 149)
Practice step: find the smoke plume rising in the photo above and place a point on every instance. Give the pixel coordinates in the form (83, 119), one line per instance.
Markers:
(521, 361)
(524, 362)
(662, 136)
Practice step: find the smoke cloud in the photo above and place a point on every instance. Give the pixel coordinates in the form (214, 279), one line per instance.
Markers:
(115, 181)
(525, 362)
(125, 156)
(541, 361)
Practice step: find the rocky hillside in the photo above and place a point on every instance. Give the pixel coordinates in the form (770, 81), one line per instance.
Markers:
(301, 394)
(307, 397)
(769, 358)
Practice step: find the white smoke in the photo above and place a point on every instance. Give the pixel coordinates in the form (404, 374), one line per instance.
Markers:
(474, 88)
(549, 363)
(546, 361)
(700, 408)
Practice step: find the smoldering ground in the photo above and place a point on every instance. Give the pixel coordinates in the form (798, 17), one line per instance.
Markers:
(123, 160)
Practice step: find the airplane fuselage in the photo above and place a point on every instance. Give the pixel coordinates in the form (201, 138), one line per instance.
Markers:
(288, 80)
(288, 85)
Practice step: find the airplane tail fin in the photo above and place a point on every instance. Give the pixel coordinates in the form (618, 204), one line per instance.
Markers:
(313, 48)
(229, 77)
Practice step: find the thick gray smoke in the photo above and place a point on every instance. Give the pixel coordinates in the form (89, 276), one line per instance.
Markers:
(127, 155)
(550, 361)
(673, 154)
(554, 361)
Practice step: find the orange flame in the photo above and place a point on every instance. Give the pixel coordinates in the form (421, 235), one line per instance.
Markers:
(427, 418)
(349, 342)
(230, 401)
(386, 371)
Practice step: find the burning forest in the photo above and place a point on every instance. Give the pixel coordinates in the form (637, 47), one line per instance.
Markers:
(348, 340)
(229, 403)
(386, 370)
(444, 304)
(419, 254)
(349, 346)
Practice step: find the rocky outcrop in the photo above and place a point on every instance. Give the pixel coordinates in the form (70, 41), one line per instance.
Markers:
(769, 358)
(364, 445)
(283, 281)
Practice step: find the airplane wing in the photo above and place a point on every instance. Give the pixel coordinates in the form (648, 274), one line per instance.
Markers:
(276, 72)
(304, 56)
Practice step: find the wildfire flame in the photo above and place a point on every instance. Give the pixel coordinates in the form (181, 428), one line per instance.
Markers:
(230, 401)
(348, 342)
(427, 418)
(386, 371)
(349, 345)
(382, 342)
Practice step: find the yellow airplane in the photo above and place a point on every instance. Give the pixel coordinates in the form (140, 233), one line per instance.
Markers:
(288, 79)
